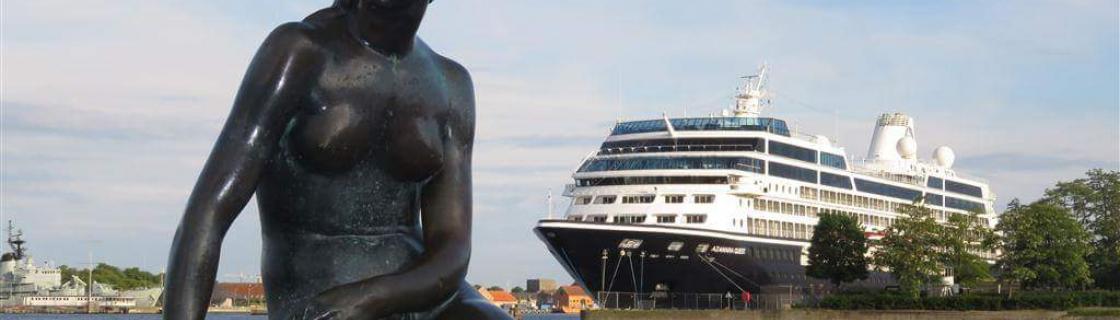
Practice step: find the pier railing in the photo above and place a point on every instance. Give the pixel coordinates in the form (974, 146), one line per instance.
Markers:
(777, 297)
(673, 300)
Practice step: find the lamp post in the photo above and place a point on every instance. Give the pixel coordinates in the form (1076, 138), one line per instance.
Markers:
(603, 278)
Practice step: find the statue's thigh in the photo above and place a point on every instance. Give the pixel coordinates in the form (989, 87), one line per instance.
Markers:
(469, 305)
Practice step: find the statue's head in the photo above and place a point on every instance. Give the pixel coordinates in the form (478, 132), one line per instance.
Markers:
(407, 12)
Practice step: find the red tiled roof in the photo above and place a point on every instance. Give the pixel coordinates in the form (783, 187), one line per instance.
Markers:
(224, 290)
(502, 296)
(574, 290)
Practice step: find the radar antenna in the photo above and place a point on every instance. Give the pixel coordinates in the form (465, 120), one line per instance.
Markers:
(15, 241)
(752, 97)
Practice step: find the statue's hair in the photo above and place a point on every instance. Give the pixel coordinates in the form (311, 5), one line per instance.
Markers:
(339, 8)
(349, 4)
(345, 4)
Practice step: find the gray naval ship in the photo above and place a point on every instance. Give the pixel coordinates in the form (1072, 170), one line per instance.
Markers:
(28, 286)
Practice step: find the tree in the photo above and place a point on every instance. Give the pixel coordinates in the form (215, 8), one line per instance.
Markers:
(517, 290)
(962, 236)
(128, 279)
(1095, 201)
(495, 288)
(1043, 246)
(910, 249)
(837, 250)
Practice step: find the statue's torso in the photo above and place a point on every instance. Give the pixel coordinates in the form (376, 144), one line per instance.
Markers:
(340, 197)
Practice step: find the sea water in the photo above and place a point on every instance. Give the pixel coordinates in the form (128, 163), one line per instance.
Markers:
(215, 316)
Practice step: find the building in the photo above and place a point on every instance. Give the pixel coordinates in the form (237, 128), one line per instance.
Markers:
(573, 299)
(231, 294)
(503, 299)
(499, 298)
(545, 300)
(539, 285)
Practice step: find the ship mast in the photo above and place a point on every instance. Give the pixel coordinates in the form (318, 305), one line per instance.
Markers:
(752, 97)
(15, 241)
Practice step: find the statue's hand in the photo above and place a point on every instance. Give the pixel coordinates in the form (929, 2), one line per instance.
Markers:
(341, 303)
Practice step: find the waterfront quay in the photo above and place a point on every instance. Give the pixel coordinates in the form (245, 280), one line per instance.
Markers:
(845, 315)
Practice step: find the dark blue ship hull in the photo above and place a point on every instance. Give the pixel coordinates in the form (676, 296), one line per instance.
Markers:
(647, 258)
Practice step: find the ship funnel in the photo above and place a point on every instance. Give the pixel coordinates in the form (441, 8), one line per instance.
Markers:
(893, 138)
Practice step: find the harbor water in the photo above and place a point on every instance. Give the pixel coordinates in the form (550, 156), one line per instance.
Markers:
(212, 316)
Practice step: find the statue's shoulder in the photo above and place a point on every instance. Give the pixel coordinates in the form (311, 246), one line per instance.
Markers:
(295, 35)
(461, 89)
(456, 73)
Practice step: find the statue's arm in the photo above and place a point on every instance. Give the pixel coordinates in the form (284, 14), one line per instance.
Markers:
(445, 207)
(270, 89)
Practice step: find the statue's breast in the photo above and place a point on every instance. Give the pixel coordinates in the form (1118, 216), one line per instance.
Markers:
(400, 128)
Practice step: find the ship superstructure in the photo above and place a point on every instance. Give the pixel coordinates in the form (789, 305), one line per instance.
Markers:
(29, 286)
(728, 203)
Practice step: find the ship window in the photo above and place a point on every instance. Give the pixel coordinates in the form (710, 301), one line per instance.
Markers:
(597, 218)
(934, 182)
(638, 199)
(605, 199)
(808, 193)
(575, 218)
(955, 203)
(682, 145)
(674, 198)
(963, 188)
(793, 152)
(934, 199)
(887, 190)
(835, 180)
(696, 124)
(695, 218)
(674, 163)
(666, 218)
(703, 198)
(791, 172)
(630, 218)
(650, 180)
(582, 200)
(832, 160)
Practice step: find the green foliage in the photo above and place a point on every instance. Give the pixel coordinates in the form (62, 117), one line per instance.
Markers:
(517, 290)
(990, 302)
(1095, 202)
(909, 249)
(837, 250)
(961, 236)
(1043, 246)
(127, 279)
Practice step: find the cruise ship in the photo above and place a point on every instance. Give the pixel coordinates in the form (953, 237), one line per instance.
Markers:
(727, 204)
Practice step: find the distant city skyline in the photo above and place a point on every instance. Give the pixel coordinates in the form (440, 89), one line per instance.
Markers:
(108, 109)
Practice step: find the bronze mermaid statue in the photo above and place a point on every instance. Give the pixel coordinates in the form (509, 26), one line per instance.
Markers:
(356, 139)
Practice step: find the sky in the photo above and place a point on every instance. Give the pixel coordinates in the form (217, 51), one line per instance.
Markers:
(108, 108)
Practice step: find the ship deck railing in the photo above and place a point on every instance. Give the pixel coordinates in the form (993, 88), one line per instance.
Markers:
(620, 300)
(891, 171)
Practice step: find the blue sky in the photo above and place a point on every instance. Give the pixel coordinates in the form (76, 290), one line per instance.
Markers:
(109, 108)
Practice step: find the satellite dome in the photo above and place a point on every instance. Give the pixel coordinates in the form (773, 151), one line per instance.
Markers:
(907, 147)
(944, 156)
